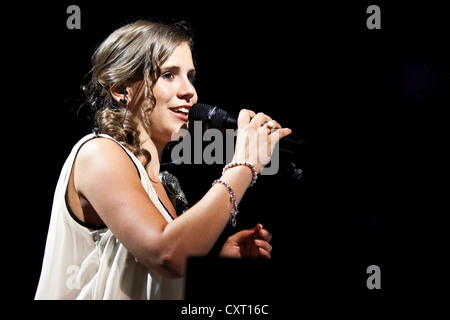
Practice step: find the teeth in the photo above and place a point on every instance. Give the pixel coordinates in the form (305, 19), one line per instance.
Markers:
(181, 109)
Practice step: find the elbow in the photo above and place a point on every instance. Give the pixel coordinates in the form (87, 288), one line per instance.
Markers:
(165, 256)
(173, 266)
(166, 262)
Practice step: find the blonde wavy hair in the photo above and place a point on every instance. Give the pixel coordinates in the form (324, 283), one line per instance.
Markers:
(132, 53)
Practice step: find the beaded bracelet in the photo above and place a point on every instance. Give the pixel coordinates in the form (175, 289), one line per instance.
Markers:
(243, 163)
(234, 211)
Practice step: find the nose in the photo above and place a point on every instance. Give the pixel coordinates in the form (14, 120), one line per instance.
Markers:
(186, 90)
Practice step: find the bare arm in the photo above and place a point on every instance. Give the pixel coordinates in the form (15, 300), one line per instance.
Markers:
(106, 177)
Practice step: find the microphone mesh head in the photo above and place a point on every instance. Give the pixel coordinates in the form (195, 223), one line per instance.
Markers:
(217, 118)
(213, 117)
(199, 111)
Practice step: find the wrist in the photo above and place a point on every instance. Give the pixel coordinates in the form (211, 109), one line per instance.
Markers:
(239, 176)
(243, 164)
(234, 210)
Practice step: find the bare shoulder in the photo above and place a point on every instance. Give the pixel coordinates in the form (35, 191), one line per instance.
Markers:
(103, 159)
(99, 148)
(107, 179)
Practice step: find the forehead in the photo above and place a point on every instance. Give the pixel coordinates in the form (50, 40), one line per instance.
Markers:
(181, 57)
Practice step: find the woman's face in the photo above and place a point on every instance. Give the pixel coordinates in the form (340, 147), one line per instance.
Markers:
(174, 94)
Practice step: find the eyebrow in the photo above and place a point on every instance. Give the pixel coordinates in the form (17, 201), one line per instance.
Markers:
(176, 69)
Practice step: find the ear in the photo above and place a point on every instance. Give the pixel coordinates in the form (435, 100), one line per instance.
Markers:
(120, 94)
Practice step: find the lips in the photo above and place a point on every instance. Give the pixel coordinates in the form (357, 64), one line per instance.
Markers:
(181, 112)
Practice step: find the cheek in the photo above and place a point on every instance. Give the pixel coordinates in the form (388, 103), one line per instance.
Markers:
(158, 115)
(162, 92)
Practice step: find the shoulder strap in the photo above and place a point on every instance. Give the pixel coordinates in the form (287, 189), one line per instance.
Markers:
(97, 135)
(66, 198)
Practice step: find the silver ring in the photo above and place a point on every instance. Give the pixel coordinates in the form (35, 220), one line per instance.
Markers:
(270, 124)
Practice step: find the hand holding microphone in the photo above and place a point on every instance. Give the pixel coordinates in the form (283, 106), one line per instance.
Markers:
(215, 117)
(257, 133)
(256, 138)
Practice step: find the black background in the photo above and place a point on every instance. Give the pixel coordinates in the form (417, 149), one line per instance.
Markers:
(372, 104)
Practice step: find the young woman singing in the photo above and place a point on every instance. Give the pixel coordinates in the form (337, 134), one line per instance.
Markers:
(114, 232)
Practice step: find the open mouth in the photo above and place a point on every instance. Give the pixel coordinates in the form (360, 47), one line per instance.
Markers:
(181, 112)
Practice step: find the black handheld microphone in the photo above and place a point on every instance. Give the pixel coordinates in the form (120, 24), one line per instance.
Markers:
(214, 117)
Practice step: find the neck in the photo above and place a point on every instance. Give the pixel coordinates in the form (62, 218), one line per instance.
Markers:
(155, 148)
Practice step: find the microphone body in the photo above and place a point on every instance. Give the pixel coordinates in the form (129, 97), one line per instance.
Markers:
(214, 117)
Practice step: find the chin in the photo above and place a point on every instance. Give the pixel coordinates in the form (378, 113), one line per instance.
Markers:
(179, 132)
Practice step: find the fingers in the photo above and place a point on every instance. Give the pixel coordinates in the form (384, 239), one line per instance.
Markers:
(264, 254)
(259, 120)
(261, 233)
(264, 248)
(276, 131)
(244, 117)
(263, 245)
(266, 235)
(279, 134)
(242, 235)
(257, 138)
(263, 237)
(272, 125)
(255, 121)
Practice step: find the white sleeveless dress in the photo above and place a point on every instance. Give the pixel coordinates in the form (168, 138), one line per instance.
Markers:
(88, 262)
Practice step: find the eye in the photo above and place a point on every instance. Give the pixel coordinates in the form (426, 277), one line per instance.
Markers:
(168, 75)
